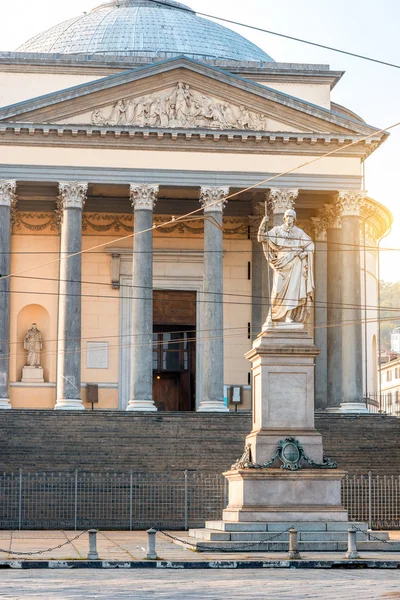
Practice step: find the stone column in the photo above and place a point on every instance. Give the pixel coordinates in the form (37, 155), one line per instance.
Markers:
(334, 312)
(71, 202)
(259, 273)
(8, 201)
(213, 200)
(321, 312)
(143, 199)
(279, 201)
(352, 379)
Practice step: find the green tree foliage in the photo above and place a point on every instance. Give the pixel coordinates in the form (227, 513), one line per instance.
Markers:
(390, 299)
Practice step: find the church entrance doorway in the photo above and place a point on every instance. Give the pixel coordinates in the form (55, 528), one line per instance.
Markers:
(174, 350)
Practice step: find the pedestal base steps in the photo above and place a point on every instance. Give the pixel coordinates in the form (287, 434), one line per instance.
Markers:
(313, 536)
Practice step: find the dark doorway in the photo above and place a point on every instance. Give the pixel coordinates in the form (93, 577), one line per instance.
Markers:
(174, 350)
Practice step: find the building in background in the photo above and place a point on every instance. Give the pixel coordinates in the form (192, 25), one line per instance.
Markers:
(390, 393)
(126, 119)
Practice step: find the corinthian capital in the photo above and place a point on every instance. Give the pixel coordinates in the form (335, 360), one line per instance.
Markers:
(319, 227)
(7, 192)
(351, 202)
(72, 195)
(144, 196)
(331, 216)
(213, 199)
(280, 199)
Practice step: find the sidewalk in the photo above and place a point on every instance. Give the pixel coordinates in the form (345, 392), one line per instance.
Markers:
(128, 549)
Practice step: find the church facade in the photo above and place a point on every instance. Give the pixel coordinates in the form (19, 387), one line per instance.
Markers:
(136, 167)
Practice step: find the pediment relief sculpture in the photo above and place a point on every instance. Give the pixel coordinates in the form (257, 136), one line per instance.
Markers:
(180, 107)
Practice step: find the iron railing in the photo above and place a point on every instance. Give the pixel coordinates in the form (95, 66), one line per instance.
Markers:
(179, 500)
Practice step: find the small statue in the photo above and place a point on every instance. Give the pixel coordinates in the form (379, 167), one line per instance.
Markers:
(289, 252)
(33, 343)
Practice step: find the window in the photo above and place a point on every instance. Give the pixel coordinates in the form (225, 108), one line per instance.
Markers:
(171, 351)
(389, 399)
(397, 397)
(388, 375)
(397, 373)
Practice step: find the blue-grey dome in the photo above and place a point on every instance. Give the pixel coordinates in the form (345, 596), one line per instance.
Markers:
(149, 28)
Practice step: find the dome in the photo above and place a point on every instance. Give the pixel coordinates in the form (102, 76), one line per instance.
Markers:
(145, 28)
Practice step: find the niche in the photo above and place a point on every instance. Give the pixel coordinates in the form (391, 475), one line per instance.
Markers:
(34, 313)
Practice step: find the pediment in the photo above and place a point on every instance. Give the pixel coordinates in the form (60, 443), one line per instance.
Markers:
(181, 106)
(177, 94)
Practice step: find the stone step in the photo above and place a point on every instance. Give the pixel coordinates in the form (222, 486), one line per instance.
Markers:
(303, 546)
(312, 536)
(281, 526)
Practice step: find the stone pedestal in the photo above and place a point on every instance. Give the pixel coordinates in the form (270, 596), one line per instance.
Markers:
(32, 375)
(283, 407)
(274, 495)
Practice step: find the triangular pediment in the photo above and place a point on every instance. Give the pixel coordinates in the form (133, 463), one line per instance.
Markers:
(177, 94)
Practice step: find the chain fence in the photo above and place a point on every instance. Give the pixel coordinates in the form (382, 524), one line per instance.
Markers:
(174, 501)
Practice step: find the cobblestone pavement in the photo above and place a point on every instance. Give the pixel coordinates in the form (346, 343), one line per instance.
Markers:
(214, 585)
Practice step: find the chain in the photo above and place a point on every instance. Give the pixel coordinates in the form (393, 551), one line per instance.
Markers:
(222, 549)
(369, 535)
(43, 551)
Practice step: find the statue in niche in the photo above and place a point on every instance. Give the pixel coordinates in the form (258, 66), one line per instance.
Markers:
(289, 252)
(33, 343)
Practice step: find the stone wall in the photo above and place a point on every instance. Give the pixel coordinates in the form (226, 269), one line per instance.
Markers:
(112, 441)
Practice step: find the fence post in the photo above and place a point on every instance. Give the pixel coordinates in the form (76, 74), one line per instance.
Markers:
(76, 500)
(151, 544)
(369, 502)
(352, 544)
(186, 500)
(131, 501)
(93, 554)
(20, 501)
(293, 544)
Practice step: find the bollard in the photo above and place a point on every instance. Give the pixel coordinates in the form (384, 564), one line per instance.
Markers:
(151, 544)
(352, 544)
(293, 546)
(93, 555)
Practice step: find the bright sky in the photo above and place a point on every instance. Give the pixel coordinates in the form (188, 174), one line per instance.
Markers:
(362, 26)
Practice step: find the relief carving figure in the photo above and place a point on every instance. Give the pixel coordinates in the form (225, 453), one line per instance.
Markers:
(180, 107)
(33, 343)
(289, 252)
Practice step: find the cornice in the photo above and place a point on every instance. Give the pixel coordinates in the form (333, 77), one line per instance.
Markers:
(114, 137)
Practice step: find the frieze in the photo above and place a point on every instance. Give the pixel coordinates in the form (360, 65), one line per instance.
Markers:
(47, 223)
(181, 107)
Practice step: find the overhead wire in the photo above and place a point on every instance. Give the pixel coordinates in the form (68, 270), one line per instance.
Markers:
(180, 218)
(282, 35)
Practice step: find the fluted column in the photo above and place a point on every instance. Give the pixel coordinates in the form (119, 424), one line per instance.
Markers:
(8, 201)
(334, 311)
(259, 273)
(350, 203)
(321, 312)
(143, 199)
(279, 201)
(213, 200)
(71, 202)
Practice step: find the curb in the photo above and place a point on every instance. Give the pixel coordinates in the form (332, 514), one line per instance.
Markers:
(209, 564)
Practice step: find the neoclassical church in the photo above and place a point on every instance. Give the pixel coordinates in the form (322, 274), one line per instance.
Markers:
(140, 148)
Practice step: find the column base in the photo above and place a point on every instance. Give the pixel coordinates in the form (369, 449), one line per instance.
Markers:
(333, 409)
(141, 406)
(69, 404)
(353, 407)
(212, 406)
(5, 404)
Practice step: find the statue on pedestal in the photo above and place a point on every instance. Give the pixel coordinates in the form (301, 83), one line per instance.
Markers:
(33, 343)
(289, 252)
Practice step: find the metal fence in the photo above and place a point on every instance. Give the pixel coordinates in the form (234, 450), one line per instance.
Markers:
(173, 501)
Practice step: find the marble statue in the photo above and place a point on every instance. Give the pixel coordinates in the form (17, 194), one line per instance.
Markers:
(179, 107)
(289, 252)
(33, 343)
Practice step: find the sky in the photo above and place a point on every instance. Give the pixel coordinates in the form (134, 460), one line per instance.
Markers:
(361, 26)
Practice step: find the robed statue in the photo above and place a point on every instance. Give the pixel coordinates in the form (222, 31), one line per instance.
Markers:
(289, 252)
(33, 343)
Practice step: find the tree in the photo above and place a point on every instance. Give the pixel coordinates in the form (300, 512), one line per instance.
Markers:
(390, 319)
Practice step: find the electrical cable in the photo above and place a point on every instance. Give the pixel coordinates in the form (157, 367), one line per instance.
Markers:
(282, 35)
